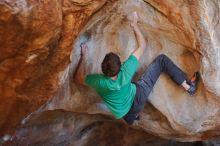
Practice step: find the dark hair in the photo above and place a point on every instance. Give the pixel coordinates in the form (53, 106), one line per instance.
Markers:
(111, 64)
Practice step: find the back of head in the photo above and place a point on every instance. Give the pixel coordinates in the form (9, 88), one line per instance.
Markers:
(111, 64)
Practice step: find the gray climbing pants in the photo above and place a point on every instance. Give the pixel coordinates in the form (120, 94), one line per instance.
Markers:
(146, 83)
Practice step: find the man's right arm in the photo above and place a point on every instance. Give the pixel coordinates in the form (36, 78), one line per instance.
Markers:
(139, 36)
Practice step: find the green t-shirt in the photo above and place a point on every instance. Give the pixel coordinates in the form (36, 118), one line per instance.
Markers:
(118, 94)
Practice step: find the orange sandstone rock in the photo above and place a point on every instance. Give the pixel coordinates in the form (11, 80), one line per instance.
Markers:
(36, 39)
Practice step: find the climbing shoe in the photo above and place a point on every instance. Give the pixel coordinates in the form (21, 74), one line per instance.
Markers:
(193, 83)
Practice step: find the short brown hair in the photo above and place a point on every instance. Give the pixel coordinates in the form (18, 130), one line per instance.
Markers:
(111, 64)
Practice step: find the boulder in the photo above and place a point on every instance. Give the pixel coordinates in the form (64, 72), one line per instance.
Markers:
(76, 129)
(40, 51)
(36, 39)
(174, 28)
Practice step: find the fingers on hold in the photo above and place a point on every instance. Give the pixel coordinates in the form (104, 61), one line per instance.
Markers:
(82, 44)
(135, 13)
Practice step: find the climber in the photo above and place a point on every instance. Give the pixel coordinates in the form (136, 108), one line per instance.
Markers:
(124, 98)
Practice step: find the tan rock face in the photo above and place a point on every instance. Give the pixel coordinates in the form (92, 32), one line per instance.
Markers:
(175, 28)
(32, 68)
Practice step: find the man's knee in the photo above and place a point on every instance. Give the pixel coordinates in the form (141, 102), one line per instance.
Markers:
(161, 57)
(162, 60)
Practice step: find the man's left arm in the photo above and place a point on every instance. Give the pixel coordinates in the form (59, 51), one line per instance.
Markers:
(81, 71)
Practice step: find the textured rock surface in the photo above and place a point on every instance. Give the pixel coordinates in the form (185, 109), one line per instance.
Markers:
(36, 39)
(68, 128)
(37, 44)
(175, 28)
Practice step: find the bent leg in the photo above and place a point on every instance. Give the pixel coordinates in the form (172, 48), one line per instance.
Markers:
(160, 64)
(146, 83)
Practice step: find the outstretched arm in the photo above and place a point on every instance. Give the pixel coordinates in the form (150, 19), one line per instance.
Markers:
(80, 73)
(139, 36)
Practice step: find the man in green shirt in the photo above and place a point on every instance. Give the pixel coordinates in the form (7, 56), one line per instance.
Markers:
(124, 98)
